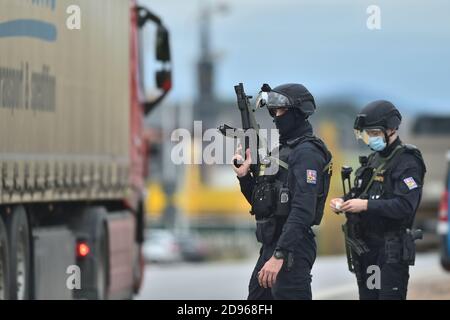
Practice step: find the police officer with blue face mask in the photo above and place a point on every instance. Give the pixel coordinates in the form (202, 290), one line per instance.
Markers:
(385, 197)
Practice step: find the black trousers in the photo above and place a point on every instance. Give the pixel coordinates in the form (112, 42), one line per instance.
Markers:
(394, 276)
(292, 283)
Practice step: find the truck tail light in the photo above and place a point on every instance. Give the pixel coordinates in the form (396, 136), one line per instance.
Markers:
(82, 249)
(443, 207)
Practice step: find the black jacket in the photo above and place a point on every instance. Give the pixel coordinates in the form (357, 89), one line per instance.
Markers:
(397, 207)
(306, 163)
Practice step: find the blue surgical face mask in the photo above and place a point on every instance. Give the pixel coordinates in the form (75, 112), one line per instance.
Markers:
(377, 143)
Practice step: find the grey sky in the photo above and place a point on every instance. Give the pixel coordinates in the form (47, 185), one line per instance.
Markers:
(323, 44)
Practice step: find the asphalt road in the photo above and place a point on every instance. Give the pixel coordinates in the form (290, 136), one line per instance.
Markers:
(229, 280)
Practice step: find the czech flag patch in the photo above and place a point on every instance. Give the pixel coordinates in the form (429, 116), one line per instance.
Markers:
(311, 176)
(410, 183)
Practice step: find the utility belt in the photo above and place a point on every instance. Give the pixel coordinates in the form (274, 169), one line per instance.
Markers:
(399, 246)
(269, 229)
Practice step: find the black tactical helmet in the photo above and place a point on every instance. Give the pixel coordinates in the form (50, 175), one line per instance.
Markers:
(380, 114)
(289, 95)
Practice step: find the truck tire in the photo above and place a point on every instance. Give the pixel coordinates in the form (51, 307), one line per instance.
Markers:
(91, 227)
(101, 291)
(138, 268)
(4, 262)
(139, 264)
(20, 254)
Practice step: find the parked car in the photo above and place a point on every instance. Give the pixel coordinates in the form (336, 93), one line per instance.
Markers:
(443, 225)
(193, 248)
(161, 246)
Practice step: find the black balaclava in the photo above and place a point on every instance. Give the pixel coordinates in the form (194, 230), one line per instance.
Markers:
(292, 124)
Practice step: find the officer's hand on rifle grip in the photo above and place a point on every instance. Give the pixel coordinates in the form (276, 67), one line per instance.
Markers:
(244, 167)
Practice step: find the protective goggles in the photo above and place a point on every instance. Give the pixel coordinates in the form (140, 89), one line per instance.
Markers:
(365, 134)
(272, 100)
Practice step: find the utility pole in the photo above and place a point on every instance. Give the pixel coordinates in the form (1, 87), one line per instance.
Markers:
(206, 65)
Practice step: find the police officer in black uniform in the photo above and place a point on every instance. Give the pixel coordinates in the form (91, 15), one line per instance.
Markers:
(287, 203)
(385, 197)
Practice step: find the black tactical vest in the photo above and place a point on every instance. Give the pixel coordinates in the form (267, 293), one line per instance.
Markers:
(271, 196)
(374, 180)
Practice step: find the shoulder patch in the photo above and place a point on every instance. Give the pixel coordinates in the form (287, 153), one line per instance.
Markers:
(410, 183)
(311, 176)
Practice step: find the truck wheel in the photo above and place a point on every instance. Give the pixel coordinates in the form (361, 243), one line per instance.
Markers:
(20, 254)
(4, 265)
(138, 269)
(102, 267)
(90, 226)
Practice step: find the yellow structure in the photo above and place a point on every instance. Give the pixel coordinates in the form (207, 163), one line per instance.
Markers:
(156, 200)
(197, 199)
(330, 238)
